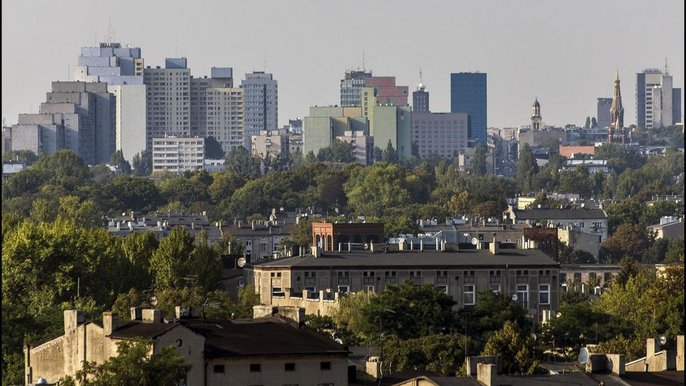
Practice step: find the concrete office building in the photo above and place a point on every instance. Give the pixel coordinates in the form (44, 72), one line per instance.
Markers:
(442, 134)
(168, 100)
(676, 106)
(655, 99)
(261, 104)
(603, 112)
(394, 124)
(122, 69)
(79, 116)
(351, 84)
(326, 123)
(386, 91)
(217, 108)
(178, 154)
(468, 94)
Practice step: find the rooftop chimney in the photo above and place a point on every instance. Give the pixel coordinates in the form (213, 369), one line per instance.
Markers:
(316, 251)
(136, 313)
(494, 247)
(152, 315)
(110, 322)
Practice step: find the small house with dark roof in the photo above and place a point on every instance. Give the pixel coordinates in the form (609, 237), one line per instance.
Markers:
(273, 348)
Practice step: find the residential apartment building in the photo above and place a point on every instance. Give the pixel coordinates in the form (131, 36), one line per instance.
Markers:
(122, 69)
(325, 123)
(168, 100)
(593, 221)
(441, 134)
(603, 117)
(468, 94)
(178, 154)
(391, 123)
(465, 157)
(79, 116)
(529, 276)
(270, 143)
(386, 91)
(655, 99)
(261, 104)
(363, 145)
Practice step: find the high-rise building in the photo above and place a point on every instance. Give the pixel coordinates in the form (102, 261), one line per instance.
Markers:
(468, 94)
(654, 99)
(386, 91)
(217, 108)
(177, 154)
(420, 99)
(616, 114)
(168, 100)
(325, 123)
(79, 116)
(676, 106)
(261, 104)
(351, 86)
(603, 115)
(122, 69)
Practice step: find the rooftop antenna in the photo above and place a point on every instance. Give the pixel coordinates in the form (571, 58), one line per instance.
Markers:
(420, 76)
(109, 31)
(666, 67)
(362, 60)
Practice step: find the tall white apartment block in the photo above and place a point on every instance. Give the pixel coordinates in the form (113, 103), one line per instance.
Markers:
(168, 100)
(178, 154)
(654, 99)
(261, 104)
(122, 69)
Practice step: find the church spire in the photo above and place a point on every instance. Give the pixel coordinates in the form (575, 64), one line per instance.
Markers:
(616, 111)
(536, 115)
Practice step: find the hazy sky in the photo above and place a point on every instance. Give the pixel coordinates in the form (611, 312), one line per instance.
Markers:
(563, 52)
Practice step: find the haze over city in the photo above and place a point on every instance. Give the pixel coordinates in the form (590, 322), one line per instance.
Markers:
(564, 53)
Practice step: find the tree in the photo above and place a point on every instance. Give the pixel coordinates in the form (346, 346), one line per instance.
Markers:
(479, 167)
(239, 161)
(133, 365)
(675, 251)
(142, 163)
(213, 150)
(489, 313)
(594, 123)
(120, 163)
(629, 240)
(170, 262)
(389, 154)
(26, 156)
(527, 168)
(440, 353)
(587, 125)
(513, 348)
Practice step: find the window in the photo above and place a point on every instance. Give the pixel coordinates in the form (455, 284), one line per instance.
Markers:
(344, 289)
(544, 294)
(495, 287)
(255, 367)
(370, 288)
(325, 365)
(219, 369)
(522, 295)
(289, 367)
(468, 295)
(442, 288)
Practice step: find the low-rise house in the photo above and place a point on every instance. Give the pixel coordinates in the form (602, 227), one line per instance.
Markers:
(669, 228)
(593, 166)
(162, 223)
(587, 278)
(273, 348)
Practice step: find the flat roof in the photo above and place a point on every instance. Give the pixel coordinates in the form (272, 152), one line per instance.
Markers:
(420, 259)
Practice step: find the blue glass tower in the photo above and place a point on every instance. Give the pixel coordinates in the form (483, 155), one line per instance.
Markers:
(468, 95)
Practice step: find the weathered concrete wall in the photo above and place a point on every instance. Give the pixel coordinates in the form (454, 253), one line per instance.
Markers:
(472, 362)
(45, 360)
(190, 346)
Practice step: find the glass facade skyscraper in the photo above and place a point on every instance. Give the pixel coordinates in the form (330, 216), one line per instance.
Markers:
(468, 95)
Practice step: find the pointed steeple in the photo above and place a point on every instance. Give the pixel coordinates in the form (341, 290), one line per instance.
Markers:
(536, 115)
(616, 112)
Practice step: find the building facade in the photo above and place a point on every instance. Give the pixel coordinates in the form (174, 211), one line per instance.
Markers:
(468, 94)
(363, 145)
(654, 99)
(122, 69)
(261, 104)
(351, 84)
(420, 99)
(325, 123)
(168, 100)
(178, 154)
(442, 134)
(603, 112)
(270, 143)
(386, 91)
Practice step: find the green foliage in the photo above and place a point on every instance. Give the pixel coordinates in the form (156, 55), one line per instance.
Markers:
(479, 166)
(629, 240)
(389, 154)
(124, 194)
(133, 366)
(439, 353)
(120, 163)
(213, 150)
(513, 346)
(19, 156)
(171, 261)
(339, 152)
(632, 348)
(142, 163)
(489, 314)
(239, 161)
(675, 251)
(527, 168)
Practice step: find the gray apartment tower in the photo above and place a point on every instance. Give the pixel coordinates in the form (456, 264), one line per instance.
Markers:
(122, 69)
(261, 104)
(168, 100)
(655, 99)
(79, 116)
(603, 114)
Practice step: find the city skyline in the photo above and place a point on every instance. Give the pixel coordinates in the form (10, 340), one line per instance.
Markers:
(526, 49)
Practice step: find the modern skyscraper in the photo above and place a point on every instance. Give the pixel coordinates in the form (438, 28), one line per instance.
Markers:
(468, 94)
(168, 100)
(676, 106)
(261, 104)
(122, 69)
(603, 115)
(420, 99)
(351, 86)
(536, 118)
(616, 114)
(654, 99)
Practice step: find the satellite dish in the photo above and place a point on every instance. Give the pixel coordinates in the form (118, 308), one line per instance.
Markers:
(662, 339)
(583, 355)
(475, 241)
(338, 340)
(514, 297)
(153, 300)
(241, 262)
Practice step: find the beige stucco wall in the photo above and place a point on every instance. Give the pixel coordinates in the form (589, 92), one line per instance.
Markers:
(191, 349)
(307, 371)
